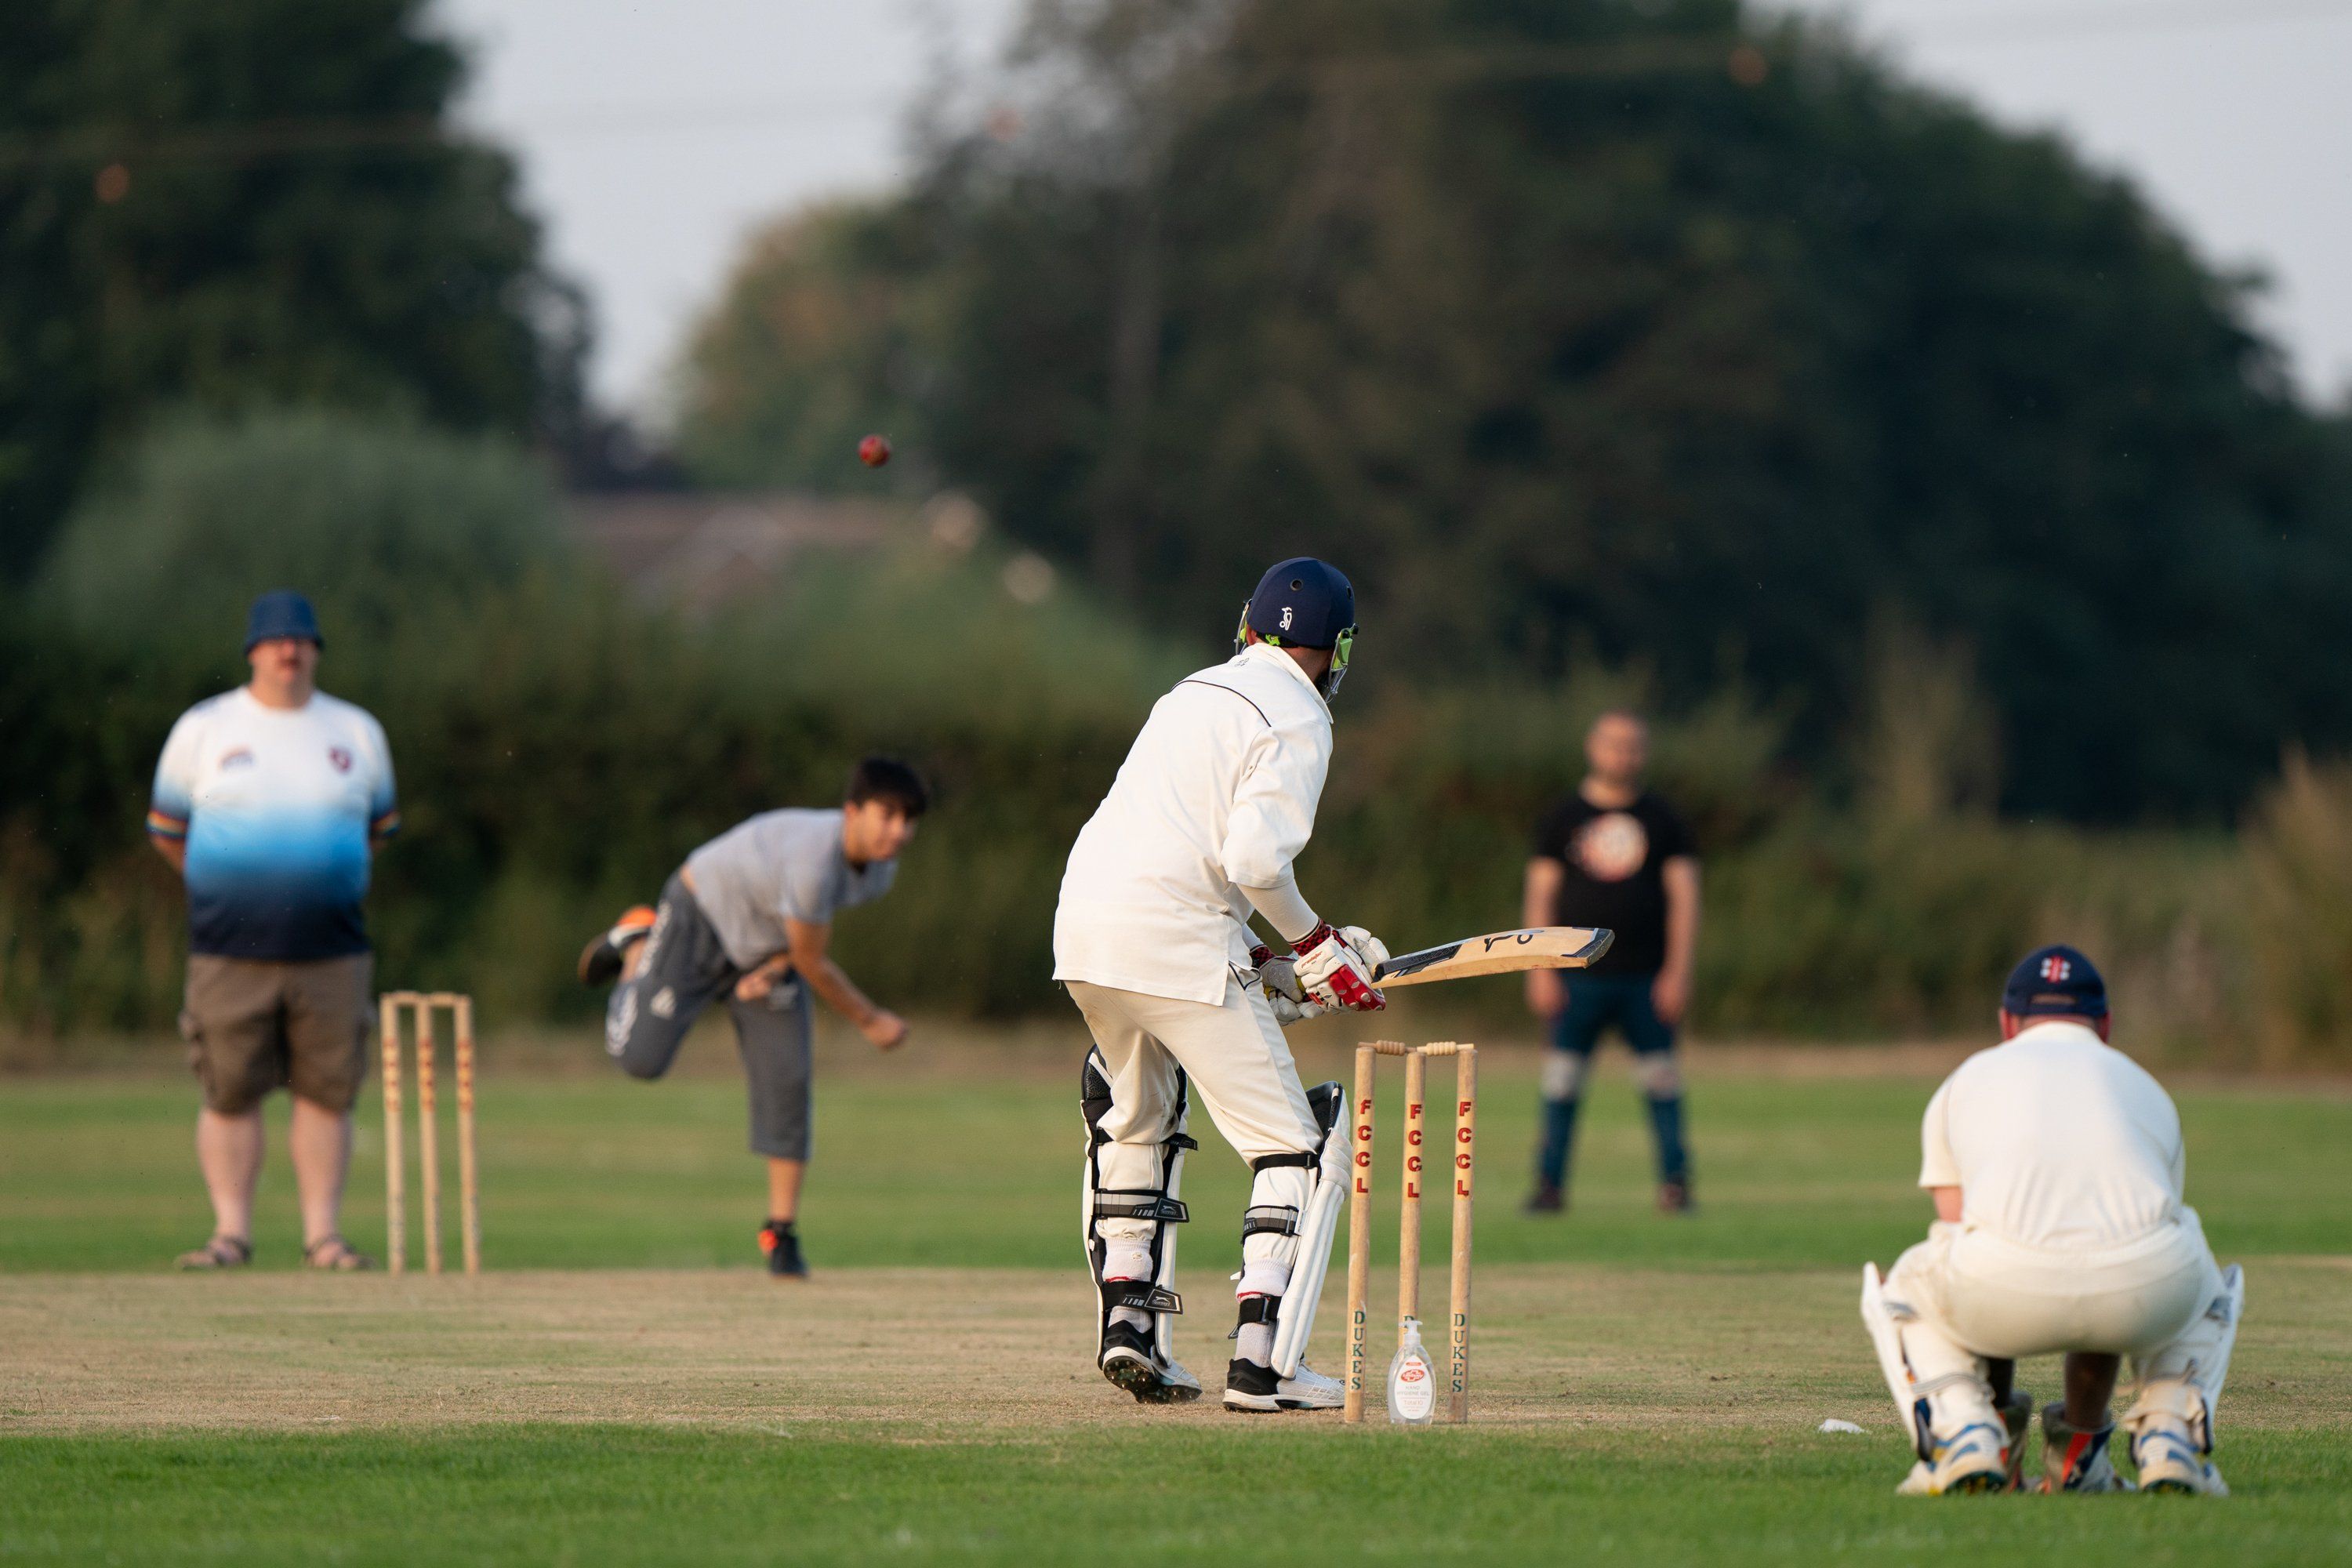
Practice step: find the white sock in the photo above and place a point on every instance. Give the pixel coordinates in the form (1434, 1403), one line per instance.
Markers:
(1133, 1317)
(1254, 1343)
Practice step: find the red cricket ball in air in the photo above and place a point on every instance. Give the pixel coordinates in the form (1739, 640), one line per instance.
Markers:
(874, 451)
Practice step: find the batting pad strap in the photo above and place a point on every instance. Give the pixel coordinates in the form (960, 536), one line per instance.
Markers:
(1141, 1204)
(1305, 1162)
(1257, 1309)
(1269, 1219)
(1142, 1295)
(1097, 1137)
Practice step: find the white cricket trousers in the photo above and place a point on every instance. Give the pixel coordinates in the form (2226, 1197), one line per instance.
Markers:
(1233, 1053)
(1977, 1294)
(1236, 1058)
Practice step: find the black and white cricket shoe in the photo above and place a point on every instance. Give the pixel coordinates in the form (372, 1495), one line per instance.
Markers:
(1258, 1390)
(1131, 1361)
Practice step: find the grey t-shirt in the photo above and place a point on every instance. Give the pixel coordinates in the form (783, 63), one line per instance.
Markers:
(779, 866)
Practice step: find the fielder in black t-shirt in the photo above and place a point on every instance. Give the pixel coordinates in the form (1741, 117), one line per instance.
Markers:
(1614, 854)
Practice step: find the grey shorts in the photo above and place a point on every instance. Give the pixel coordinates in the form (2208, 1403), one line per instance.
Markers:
(685, 970)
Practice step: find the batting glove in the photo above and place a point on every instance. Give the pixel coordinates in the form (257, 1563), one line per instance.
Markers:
(1375, 950)
(1278, 977)
(1335, 973)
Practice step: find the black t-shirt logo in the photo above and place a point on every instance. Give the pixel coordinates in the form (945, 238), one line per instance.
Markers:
(1612, 846)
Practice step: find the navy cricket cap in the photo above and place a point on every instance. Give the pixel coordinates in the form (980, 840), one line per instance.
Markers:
(1302, 603)
(284, 614)
(2054, 979)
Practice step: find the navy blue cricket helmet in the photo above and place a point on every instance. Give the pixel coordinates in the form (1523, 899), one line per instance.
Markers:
(1305, 603)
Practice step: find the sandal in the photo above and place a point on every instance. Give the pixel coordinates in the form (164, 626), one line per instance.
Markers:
(336, 1256)
(220, 1252)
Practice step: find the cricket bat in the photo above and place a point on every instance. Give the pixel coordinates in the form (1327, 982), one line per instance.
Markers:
(1502, 953)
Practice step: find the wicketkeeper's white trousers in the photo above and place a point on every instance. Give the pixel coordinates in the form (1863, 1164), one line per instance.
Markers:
(1977, 1295)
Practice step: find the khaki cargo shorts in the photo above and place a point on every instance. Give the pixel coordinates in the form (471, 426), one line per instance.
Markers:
(253, 1026)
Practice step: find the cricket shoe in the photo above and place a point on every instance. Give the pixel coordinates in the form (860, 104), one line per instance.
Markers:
(781, 1244)
(2168, 1461)
(1131, 1361)
(1257, 1389)
(601, 960)
(2075, 1459)
(1973, 1459)
(1547, 1198)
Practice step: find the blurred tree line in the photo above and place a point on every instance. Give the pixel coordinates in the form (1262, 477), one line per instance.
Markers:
(560, 746)
(1668, 333)
(228, 204)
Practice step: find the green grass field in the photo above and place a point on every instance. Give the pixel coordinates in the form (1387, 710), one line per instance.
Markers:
(625, 1386)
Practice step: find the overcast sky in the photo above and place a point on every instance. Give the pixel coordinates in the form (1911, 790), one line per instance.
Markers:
(654, 133)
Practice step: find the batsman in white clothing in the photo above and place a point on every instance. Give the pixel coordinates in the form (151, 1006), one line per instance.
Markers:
(2055, 1164)
(1152, 939)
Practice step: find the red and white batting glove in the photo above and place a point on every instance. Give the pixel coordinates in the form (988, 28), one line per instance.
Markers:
(1335, 973)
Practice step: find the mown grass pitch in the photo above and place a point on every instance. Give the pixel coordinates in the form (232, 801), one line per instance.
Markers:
(625, 1387)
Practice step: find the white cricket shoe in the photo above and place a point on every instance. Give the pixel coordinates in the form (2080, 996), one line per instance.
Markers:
(1973, 1459)
(1252, 1388)
(2168, 1461)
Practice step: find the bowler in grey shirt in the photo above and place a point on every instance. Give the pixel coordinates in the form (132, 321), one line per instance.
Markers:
(749, 918)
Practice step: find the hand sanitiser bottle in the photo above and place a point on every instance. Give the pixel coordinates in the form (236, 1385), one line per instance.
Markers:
(1412, 1381)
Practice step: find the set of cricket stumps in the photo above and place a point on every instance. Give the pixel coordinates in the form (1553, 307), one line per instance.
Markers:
(1412, 1379)
(418, 1011)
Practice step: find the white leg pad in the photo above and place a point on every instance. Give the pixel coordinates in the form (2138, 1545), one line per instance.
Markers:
(2182, 1382)
(1130, 1219)
(1319, 1225)
(1939, 1388)
(1887, 1338)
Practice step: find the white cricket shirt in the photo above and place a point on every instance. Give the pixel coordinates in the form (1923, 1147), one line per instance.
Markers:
(2056, 1139)
(1217, 794)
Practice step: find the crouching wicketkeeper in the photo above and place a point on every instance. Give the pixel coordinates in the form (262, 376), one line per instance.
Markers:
(2055, 1164)
(1216, 798)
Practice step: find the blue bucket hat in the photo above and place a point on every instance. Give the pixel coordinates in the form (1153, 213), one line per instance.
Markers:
(284, 614)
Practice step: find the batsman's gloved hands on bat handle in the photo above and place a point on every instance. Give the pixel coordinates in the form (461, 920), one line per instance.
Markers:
(1335, 970)
(1278, 977)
